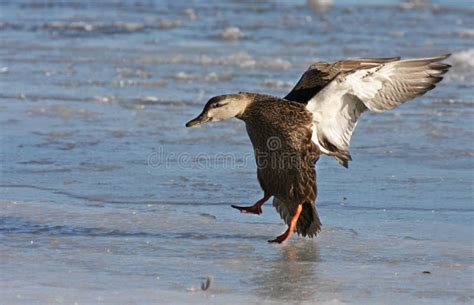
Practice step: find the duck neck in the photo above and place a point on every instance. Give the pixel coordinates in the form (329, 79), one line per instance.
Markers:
(253, 107)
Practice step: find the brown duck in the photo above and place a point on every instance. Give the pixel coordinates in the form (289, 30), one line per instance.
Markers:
(317, 117)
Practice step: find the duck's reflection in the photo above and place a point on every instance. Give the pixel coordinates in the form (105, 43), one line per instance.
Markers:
(292, 275)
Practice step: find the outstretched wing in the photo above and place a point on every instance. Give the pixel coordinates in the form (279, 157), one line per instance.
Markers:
(321, 73)
(338, 106)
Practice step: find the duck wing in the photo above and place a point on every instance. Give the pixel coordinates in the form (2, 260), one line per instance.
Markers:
(321, 73)
(337, 107)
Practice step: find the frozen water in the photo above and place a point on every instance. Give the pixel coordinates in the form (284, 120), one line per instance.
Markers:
(107, 199)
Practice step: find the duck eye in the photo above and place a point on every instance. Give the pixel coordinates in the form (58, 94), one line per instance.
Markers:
(217, 105)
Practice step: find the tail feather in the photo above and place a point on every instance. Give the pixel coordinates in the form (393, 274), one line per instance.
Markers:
(308, 223)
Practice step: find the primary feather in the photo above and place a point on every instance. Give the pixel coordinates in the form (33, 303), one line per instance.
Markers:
(321, 73)
(337, 107)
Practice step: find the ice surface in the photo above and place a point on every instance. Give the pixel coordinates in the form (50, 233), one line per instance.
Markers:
(105, 197)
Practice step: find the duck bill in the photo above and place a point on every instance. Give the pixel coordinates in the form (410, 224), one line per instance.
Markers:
(197, 121)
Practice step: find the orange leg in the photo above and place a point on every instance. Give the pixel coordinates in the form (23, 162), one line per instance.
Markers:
(254, 209)
(291, 227)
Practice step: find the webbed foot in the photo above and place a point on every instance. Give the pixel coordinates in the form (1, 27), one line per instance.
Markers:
(254, 209)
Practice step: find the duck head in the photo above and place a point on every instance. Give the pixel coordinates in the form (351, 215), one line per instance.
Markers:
(220, 108)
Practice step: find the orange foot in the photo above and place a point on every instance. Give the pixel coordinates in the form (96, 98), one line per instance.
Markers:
(254, 209)
(291, 227)
(283, 237)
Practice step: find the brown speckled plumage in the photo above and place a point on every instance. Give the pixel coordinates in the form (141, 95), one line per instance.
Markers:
(280, 132)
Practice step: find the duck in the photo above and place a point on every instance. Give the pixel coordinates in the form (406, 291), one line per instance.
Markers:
(316, 118)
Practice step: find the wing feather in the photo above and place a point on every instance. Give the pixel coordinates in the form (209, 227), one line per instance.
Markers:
(390, 85)
(338, 106)
(320, 74)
